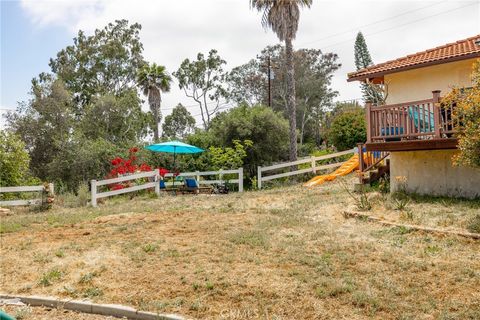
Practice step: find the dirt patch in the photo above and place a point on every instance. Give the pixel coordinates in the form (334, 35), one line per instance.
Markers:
(285, 253)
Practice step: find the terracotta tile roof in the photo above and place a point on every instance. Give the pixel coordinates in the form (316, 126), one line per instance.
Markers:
(462, 49)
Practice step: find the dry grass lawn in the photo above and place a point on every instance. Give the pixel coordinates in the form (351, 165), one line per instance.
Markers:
(285, 253)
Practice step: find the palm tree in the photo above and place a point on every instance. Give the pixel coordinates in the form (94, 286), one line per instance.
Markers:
(282, 17)
(153, 80)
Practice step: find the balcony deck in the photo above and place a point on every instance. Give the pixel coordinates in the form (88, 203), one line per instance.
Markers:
(409, 126)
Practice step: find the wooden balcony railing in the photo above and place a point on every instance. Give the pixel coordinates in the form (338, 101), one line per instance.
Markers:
(424, 119)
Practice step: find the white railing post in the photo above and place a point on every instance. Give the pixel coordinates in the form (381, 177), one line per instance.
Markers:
(259, 178)
(51, 187)
(220, 174)
(93, 185)
(240, 180)
(197, 176)
(157, 182)
(314, 163)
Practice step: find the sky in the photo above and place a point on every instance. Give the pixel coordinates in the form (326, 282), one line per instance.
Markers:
(33, 31)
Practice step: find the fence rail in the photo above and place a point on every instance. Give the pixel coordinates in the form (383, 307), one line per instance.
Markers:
(155, 176)
(312, 169)
(24, 202)
(219, 173)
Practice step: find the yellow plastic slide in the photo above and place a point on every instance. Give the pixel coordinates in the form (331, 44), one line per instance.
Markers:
(350, 165)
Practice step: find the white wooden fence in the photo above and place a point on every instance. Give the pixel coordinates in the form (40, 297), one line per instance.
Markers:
(220, 174)
(313, 168)
(155, 176)
(23, 202)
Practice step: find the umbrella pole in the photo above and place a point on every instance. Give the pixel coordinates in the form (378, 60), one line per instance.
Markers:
(174, 153)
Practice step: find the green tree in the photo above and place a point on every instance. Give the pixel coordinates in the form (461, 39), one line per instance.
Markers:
(118, 119)
(153, 80)
(103, 63)
(314, 95)
(202, 80)
(178, 124)
(348, 128)
(266, 128)
(371, 92)
(14, 160)
(229, 157)
(283, 16)
(44, 123)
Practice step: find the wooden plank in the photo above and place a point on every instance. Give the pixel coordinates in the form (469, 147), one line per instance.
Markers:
(179, 183)
(21, 189)
(126, 190)
(286, 174)
(20, 202)
(334, 155)
(413, 145)
(127, 178)
(286, 164)
(329, 166)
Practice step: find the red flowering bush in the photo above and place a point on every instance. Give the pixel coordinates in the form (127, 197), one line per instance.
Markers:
(123, 167)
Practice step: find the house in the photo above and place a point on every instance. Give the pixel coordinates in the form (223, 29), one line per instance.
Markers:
(413, 127)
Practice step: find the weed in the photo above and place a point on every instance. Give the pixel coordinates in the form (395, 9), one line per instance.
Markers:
(474, 224)
(364, 300)
(384, 184)
(92, 292)
(87, 277)
(23, 312)
(209, 285)
(195, 286)
(432, 250)
(149, 247)
(362, 201)
(59, 253)
(50, 276)
(253, 238)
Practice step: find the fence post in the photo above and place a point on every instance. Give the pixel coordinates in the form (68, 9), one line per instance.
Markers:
(220, 175)
(51, 187)
(314, 164)
(197, 176)
(93, 185)
(436, 113)
(157, 182)
(240, 179)
(368, 106)
(259, 177)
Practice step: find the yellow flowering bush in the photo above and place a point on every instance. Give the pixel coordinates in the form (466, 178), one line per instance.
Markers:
(467, 113)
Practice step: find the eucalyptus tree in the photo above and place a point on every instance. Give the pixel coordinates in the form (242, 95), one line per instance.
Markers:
(203, 80)
(282, 16)
(153, 80)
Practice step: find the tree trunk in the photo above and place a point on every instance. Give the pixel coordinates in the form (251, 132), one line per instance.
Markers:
(153, 101)
(291, 109)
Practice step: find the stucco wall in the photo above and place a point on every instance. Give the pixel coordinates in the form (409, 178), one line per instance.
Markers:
(432, 173)
(418, 84)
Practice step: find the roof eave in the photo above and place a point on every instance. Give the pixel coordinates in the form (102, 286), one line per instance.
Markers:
(415, 66)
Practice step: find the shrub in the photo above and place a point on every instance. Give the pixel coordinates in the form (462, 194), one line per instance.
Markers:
(348, 129)
(474, 224)
(467, 112)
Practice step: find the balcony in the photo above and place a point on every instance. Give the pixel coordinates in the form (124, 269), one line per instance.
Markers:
(415, 125)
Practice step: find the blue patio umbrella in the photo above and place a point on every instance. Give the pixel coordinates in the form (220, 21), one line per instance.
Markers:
(174, 147)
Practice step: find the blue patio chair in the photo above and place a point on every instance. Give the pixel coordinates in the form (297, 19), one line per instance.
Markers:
(423, 126)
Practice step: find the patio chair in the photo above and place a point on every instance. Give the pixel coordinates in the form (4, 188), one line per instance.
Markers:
(191, 185)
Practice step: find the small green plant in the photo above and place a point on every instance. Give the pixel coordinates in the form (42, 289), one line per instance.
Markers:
(23, 312)
(87, 277)
(149, 247)
(384, 184)
(474, 224)
(362, 201)
(92, 292)
(83, 194)
(400, 202)
(49, 277)
(59, 253)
